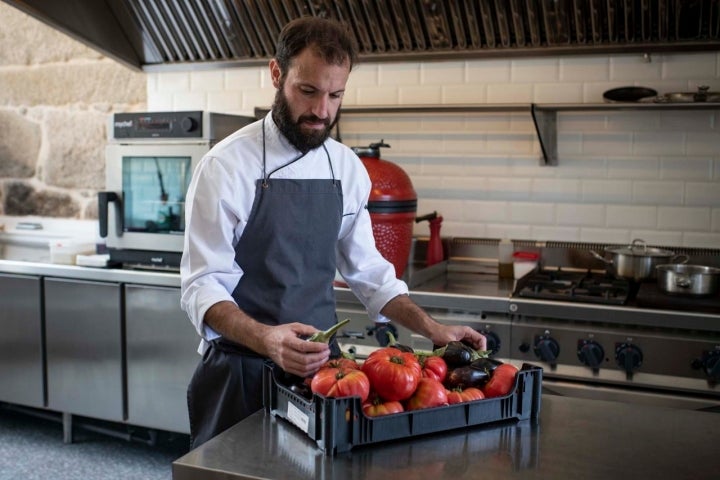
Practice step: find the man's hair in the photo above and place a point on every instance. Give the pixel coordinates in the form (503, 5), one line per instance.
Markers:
(330, 39)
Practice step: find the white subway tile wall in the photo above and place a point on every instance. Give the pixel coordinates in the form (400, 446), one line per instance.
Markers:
(620, 175)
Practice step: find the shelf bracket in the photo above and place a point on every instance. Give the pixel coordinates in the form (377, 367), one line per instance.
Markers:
(546, 128)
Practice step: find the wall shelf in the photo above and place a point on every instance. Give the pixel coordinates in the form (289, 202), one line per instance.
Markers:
(544, 115)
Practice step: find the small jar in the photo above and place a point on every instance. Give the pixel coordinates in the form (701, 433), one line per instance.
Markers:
(524, 263)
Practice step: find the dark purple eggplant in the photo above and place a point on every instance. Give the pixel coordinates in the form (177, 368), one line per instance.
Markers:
(295, 384)
(392, 342)
(302, 389)
(465, 377)
(457, 354)
(487, 364)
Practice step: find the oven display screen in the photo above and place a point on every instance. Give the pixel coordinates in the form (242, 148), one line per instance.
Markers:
(154, 125)
(154, 190)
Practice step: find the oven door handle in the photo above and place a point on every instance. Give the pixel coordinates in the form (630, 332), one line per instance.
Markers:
(104, 199)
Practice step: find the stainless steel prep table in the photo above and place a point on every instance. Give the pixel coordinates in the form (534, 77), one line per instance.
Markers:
(158, 278)
(572, 439)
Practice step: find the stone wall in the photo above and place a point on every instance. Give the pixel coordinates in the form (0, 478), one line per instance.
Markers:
(55, 98)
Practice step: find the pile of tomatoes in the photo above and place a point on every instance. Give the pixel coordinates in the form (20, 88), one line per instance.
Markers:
(391, 380)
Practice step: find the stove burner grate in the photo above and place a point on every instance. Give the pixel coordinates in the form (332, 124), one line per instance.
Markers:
(587, 287)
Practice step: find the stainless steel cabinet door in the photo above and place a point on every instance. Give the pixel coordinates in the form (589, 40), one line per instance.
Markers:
(83, 330)
(161, 357)
(21, 349)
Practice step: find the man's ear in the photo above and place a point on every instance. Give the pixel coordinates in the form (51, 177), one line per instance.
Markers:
(275, 73)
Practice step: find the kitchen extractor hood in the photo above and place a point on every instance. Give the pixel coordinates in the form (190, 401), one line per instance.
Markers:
(156, 35)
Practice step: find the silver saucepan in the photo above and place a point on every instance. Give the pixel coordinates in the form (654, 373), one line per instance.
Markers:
(637, 261)
(696, 280)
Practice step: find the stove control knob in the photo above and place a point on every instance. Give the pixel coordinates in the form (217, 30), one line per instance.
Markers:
(493, 341)
(628, 356)
(547, 348)
(711, 364)
(188, 124)
(590, 353)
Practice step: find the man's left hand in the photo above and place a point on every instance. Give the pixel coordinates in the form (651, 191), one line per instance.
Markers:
(448, 333)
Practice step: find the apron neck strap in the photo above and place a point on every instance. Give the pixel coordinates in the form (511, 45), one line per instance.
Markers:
(266, 176)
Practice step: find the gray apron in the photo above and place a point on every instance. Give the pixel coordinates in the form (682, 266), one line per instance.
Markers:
(287, 254)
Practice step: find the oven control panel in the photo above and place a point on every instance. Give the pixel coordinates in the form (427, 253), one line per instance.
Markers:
(589, 352)
(189, 125)
(158, 125)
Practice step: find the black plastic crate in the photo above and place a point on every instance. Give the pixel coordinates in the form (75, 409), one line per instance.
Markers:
(339, 424)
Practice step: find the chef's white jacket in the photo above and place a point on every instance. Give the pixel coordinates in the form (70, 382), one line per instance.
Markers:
(218, 205)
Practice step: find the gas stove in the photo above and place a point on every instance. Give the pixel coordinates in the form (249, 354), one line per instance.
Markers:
(599, 287)
(575, 286)
(598, 335)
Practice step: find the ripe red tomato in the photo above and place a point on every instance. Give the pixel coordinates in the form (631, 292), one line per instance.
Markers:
(332, 382)
(501, 382)
(434, 367)
(459, 395)
(375, 406)
(429, 393)
(336, 364)
(393, 374)
(342, 362)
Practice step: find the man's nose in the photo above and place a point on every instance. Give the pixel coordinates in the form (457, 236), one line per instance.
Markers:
(320, 106)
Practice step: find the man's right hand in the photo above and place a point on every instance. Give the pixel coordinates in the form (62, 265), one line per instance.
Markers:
(284, 345)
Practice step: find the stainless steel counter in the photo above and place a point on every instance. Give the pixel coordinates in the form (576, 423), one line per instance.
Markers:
(573, 438)
(444, 290)
(145, 277)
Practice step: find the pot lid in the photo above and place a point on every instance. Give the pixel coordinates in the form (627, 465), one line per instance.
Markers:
(640, 249)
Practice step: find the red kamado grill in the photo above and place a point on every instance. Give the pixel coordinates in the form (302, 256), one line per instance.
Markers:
(392, 206)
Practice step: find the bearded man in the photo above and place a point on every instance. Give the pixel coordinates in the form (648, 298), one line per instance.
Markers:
(272, 213)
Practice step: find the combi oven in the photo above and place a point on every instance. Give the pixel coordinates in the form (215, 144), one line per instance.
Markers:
(150, 158)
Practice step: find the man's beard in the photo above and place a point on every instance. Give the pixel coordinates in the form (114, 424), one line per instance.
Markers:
(302, 140)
